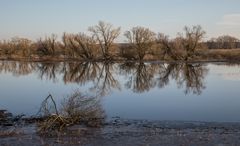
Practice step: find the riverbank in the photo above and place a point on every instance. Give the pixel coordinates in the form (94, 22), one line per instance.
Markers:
(130, 132)
(213, 55)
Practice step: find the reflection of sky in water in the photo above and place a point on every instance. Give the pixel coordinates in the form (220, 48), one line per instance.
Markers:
(228, 72)
(219, 101)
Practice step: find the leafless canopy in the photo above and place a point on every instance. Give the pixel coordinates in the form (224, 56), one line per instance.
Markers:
(184, 46)
(167, 46)
(141, 39)
(192, 38)
(223, 42)
(80, 45)
(16, 45)
(105, 35)
(48, 45)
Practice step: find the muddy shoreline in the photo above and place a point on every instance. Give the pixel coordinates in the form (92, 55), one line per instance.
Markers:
(127, 132)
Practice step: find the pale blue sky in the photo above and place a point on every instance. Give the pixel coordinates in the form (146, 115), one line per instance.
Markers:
(37, 18)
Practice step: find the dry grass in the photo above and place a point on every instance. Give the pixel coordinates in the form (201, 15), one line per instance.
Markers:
(224, 54)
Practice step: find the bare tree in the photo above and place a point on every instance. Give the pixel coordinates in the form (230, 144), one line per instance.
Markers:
(168, 46)
(212, 44)
(191, 40)
(48, 46)
(21, 45)
(184, 46)
(227, 42)
(80, 45)
(16, 46)
(141, 39)
(105, 35)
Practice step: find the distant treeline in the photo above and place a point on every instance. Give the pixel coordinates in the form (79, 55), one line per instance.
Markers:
(223, 42)
(100, 44)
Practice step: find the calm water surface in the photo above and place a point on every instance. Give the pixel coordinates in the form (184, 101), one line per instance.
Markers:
(152, 91)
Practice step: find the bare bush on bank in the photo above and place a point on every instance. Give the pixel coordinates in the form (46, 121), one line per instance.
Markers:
(75, 109)
(16, 46)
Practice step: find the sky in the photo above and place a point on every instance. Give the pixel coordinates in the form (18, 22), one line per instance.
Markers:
(38, 18)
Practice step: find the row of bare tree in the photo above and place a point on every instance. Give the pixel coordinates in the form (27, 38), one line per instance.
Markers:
(224, 42)
(100, 43)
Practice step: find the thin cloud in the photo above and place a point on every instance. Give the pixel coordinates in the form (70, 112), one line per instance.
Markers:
(230, 20)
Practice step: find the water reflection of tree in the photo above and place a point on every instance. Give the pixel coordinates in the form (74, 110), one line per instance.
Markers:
(165, 72)
(100, 74)
(81, 72)
(47, 70)
(188, 76)
(105, 80)
(194, 75)
(16, 68)
(141, 76)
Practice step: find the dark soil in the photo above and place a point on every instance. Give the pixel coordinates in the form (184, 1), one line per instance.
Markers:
(127, 132)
